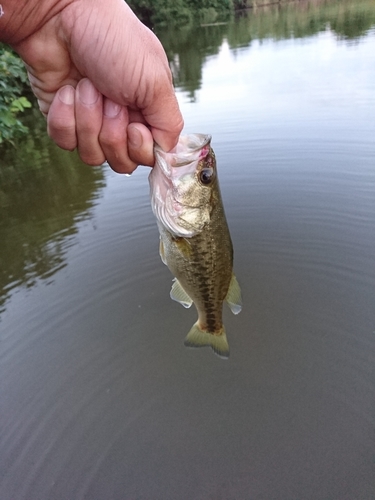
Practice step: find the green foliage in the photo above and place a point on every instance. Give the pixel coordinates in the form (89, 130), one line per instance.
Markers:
(166, 13)
(218, 5)
(161, 12)
(13, 84)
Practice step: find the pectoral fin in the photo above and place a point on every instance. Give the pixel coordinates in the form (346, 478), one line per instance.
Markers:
(183, 246)
(161, 252)
(234, 296)
(199, 338)
(179, 295)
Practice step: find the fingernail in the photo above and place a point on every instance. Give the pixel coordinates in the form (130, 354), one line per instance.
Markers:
(111, 109)
(134, 137)
(66, 95)
(87, 92)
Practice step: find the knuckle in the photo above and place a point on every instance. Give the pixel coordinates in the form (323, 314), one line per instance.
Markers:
(112, 141)
(87, 129)
(62, 132)
(65, 139)
(90, 158)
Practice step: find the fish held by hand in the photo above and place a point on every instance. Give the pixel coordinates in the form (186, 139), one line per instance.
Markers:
(195, 242)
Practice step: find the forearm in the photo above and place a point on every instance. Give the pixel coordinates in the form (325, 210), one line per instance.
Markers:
(21, 18)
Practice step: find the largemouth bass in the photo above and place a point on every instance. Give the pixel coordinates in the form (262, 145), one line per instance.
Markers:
(194, 237)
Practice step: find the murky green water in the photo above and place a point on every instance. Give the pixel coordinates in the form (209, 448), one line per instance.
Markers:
(98, 396)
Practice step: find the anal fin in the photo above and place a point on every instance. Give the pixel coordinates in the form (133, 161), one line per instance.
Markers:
(179, 295)
(233, 297)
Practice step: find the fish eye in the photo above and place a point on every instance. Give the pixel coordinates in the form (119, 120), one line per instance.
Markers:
(206, 175)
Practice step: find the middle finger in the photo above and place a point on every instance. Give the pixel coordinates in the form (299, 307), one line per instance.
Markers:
(89, 112)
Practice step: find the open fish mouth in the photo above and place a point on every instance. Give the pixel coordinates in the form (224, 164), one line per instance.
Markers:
(173, 186)
(189, 149)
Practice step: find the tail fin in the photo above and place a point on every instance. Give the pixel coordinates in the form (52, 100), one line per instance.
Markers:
(199, 338)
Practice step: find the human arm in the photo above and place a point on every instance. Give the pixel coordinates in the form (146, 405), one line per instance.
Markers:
(88, 60)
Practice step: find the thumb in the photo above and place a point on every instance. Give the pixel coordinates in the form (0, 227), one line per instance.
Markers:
(166, 123)
(166, 140)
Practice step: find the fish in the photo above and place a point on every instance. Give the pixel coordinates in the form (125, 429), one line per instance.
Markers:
(195, 242)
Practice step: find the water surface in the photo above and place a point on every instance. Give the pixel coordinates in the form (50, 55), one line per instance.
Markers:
(99, 397)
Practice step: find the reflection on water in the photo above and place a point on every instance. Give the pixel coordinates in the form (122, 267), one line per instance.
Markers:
(346, 19)
(99, 397)
(44, 193)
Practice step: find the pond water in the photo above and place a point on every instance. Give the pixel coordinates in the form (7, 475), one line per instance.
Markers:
(99, 397)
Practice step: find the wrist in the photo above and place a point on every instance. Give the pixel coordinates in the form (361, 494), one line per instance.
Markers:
(22, 18)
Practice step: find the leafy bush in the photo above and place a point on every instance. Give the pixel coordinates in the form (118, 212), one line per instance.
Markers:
(13, 86)
(165, 13)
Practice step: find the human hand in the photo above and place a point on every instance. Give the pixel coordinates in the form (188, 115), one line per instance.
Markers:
(102, 80)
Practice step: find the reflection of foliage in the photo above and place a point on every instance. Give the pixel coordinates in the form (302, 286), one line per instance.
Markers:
(188, 51)
(347, 18)
(187, 48)
(44, 192)
(354, 21)
(13, 80)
